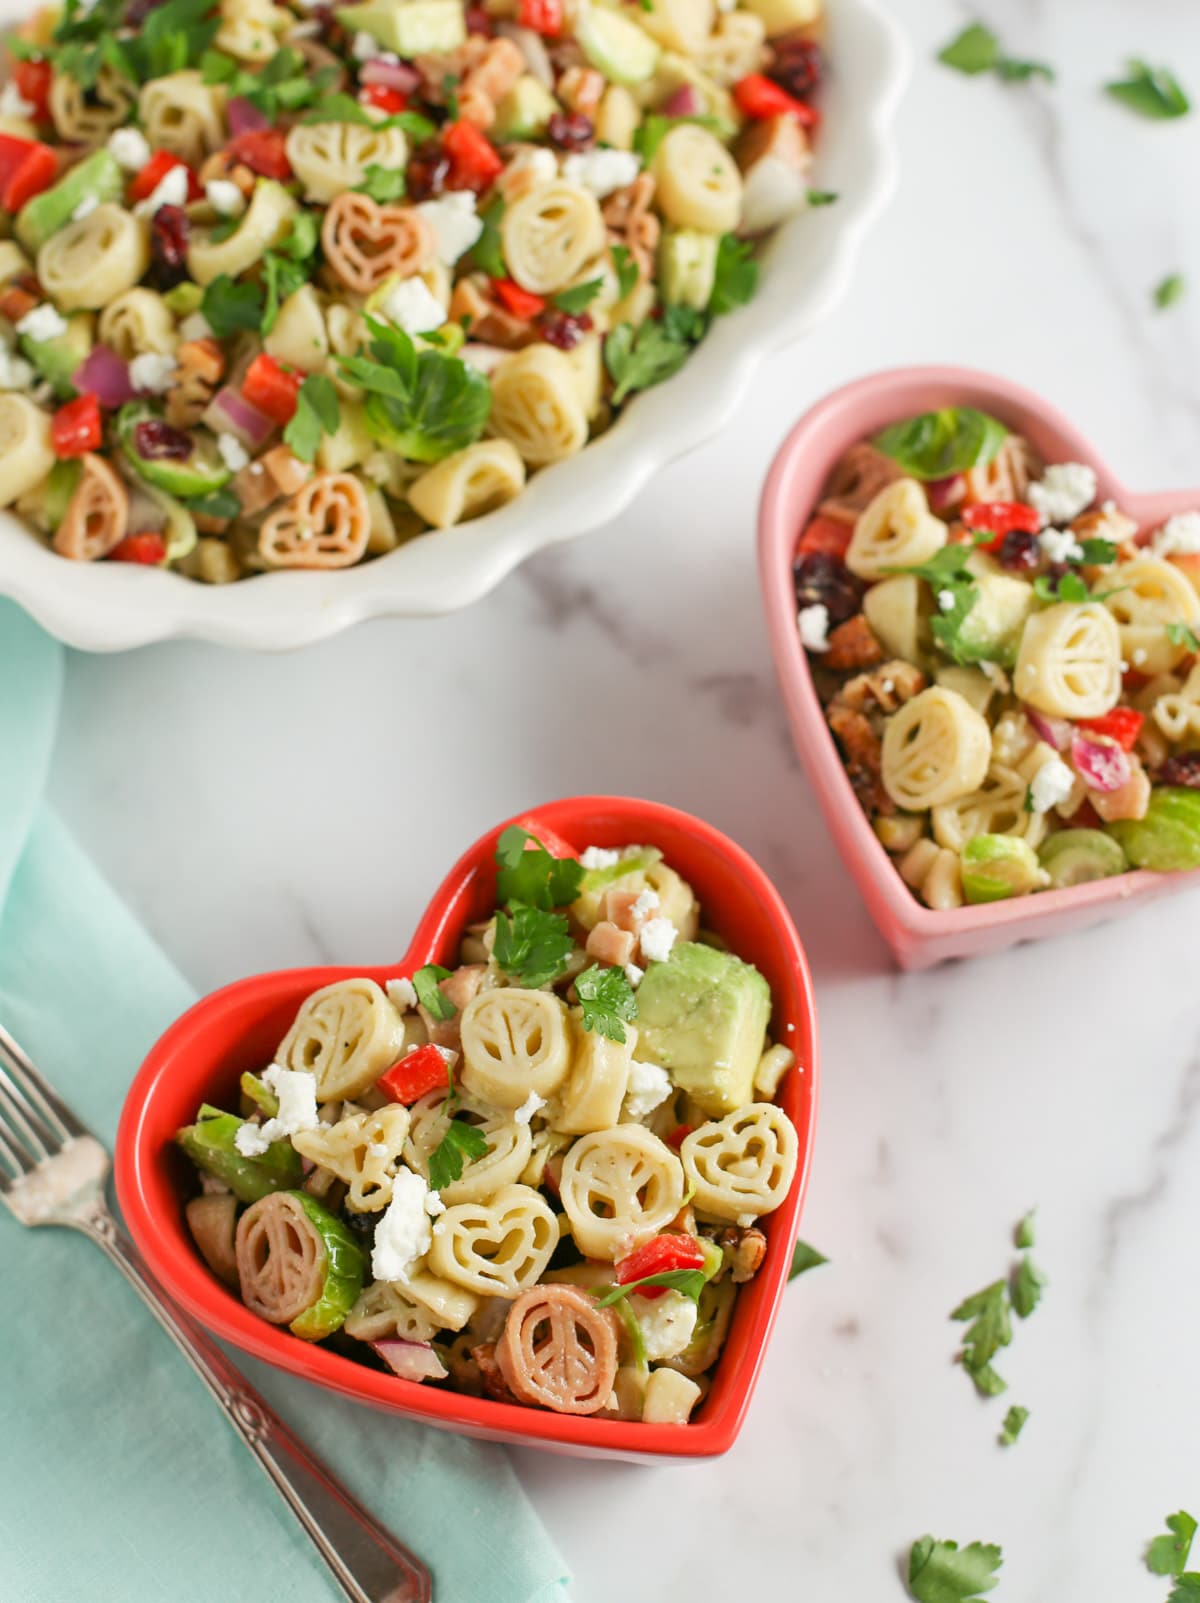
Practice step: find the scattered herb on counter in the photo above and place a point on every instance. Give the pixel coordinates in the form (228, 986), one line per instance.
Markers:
(1173, 288)
(1168, 1554)
(1151, 92)
(1028, 1283)
(607, 1000)
(1024, 1233)
(461, 1144)
(941, 1572)
(977, 49)
(1186, 1589)
(988, 1315)
(1014, 1424)
(823, 197)
(805, 1258)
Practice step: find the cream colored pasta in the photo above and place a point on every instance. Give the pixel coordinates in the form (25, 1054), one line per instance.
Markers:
(772, 1066)
(741, 1166)
(265, 222)
(897, 530)
(449, 1304)
(363, 1150)
(26, 454)
(251, 29)
(935, 873)
(329, 157)
(972, 685)
(136, 322)
(735, 47)
(536, 404)
(681, 25)
(1069, 663)
(669, 1397)
(587, 360)
(509, 1146)
(345, 1034)
(1148, 595)
(478, 479)
(893, 608)
(996, 808)
(698, 183)
(549, 234)
(93, 260)
(514, 1041)
(299, 337)
(82, 118)
(784, 16)
(183, 114)
(1177, 712)
(497, 1248)
(619, 1187)
(13, 261)
(936, 749)
(592, 1096)
(617, 118)
(386, 1310)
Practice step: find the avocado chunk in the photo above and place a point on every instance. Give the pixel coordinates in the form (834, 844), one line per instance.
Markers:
(197, 474)
(525, 111)
(57, 358)
(615, 46)
(703, 1016)
(687, 267)
(409, 27)
(98, 177)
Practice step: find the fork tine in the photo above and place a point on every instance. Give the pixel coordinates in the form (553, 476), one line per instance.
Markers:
(18, 1163)
(52, 1110)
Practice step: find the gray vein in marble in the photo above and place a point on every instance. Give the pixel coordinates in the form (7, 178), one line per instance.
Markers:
(563, 601)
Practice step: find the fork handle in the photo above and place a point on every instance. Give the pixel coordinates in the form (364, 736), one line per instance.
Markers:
(369, 1564)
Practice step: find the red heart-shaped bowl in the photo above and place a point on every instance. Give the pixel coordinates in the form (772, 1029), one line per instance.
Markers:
(919, 936)
(239, 1027)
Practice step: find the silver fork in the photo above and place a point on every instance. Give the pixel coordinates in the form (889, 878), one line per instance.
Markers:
(53, 1172)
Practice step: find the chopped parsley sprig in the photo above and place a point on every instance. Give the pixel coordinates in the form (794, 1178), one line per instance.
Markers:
(942, 1572)
(1152, 92)
(1168, 1554)
(426, 983)
(462, 1144)
(988, 1315)
(318, 412)
(805, 1258)
(977, 50)
(607, 1000)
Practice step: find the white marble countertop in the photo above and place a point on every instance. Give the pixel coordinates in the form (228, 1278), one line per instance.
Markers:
(263, 812)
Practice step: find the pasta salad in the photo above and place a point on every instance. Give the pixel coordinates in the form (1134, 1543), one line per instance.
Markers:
(537, 1176)
(1009, 666)
(285, 285)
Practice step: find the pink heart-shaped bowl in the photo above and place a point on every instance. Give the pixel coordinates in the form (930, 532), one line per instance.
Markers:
(920, 937)
(239, 1027)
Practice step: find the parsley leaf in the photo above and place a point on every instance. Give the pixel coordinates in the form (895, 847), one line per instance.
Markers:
(938, 1572)
(283, 84)
(461, 1144)
(1024, 1235)
(344, 108)
(823, 197)
(639, 358)
(217, 504)
(607, 1000)
(288, 266)
(652, 130)
(990, 1328)
(425, 984)
(804, 1258)
(1011, 70)
(532, 946)
(1186, 1589)
(956, 593)
(528, 873)
(317, 412)
(1014, 1424)
(422, 405)
(1168, 1555)
(1180, 634)
(579, 297)
(228, 306)
(691, 1282)
(975, 49)
(1069, 588)
(735, 278)
(1028, 1284)
(450, 95)
(487, 253)
(1173, 288)
(625, 268)
(1151, 92)
(1097, 553)
(383, 184)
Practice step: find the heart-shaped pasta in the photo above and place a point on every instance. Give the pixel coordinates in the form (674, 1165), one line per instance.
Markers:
(1177, 712)
(479, 479)
(366, 244)
(558, 1350)
(325, 524)
(496, 1248)
(549, 234)
(1148, 596)
(537, 404)
(96, 515)
(384, 1310)
(617, 1187)
(1069, 664)
(509, 1146)
(280, 1258)
(897, 530)
(698, 182)
(936, 749)
(331, 157)
(592, 1096)
(996, 808)
(741, 1166)
(363, 1150)
(514, 1041)
(26, 452)
(346, 1034)
(94, 259)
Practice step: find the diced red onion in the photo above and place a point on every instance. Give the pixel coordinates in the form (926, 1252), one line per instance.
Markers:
(103, 374)
(683, 102)
(229, 412)
(1055, 732)
(1101, 764)
(244, 117)
(533, 47)
(944, 493)
(390, 75)
(411, 1360)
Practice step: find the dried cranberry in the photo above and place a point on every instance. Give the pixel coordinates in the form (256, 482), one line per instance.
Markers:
(428, 170)
(156, 441)
(571, 131)
(1182, 769)
(169, 229)
(1019, 552)
(798, 66)
(564, 329)
(821, 580)
(479, 22)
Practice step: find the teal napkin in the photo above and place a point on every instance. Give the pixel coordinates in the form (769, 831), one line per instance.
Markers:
(120, 1482)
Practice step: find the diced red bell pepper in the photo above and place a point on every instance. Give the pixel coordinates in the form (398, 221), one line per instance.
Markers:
(147, 548)
(77, 428)
(33, 79)
(26, 168)
(424, 1069)
(999, 518)
(1122, 724)
(520, 302)
(382, 98)
(827, 535)
(553, 842)
(658, 1257)
(474, 160)
(273, 389)
(679, 1135)
(541, 16)
(758, 97)
(264, 151)
(143, 184)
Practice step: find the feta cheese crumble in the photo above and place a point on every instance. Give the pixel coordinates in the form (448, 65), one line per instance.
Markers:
(531, 1105)
(151, 372)
(1178, 537)
(646, 903)
(602, 171)
(412, 307)
(657, 938)
(233, 452)
(297, 1093)
(224, 196)
(129, 149)
(946, 600)
(13, 102)
(85, 208)
(814, 627)
(1060, 545)
(365, 47)
(667, 1323)
(402, 993)
(649, 1086)
(634, 975)
(1052, 784)
(403, 1233)
(44, 322)
(1066, 490)
(171, 190)
(599, 857)
(455, 225)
